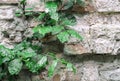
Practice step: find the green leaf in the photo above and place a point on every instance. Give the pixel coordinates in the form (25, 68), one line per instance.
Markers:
(22, 1)
(42, 62)
(81, 2)
(15, 66)
(27, 53)
(67, 3)
(67, 19)
(31, 65)
(67, 22)
(45, 30)
(63, 61)
(70, 67)
(57, 29)
(29, 9)
(6, 54)
(54, 16)
(41, 16)
(36, 29)
(51, 8)
(34, 67)
(52, 68)
(75, 34)
(1, 60)
(63, 36)
(28, 13)
(18, 15)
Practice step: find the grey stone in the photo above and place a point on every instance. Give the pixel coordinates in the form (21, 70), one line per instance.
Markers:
(18, 37)
(21, 25)
(90, 72)
(28, 32)
(100, 34)
(8, 1)
(75, 49)
(111, 75)
(7, 12)
(107, 5)
(103, 37)
(37, 5)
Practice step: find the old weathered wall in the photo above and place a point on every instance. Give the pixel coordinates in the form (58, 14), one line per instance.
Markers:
(96, 57)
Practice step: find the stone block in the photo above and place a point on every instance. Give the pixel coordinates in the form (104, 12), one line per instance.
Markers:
(104, 38)
(75, 49)
(111, 75)
(36, 5)
(100, 34)
(8, 1)
(90, 71)
(7, 12)
(107, 5)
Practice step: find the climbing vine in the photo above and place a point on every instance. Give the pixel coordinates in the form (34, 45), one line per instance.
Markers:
(56, 22)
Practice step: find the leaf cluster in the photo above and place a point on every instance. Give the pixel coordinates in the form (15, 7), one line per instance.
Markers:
(54, 23)
(25, 56)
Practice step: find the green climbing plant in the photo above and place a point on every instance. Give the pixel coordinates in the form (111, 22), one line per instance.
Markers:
(57, 22)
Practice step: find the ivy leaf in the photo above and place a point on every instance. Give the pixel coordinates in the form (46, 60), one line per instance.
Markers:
(22, 1)
(54, 16)
(51, 8)
(18, 14)
(31, 65)
(57, 29)
(1, 61)
(15, 66)
(36, 29)
(41, 16)
(52, 68)
(63, 61)
(42, 62)
(6, 54)
(29, 9)
(63, 36)
(67, 19)
(67, 22)
(81, 2)
(45, 30)
(70, 67)
(28, 13)
(34, 67)
(67, 3)
(75, 34)
(27, 53)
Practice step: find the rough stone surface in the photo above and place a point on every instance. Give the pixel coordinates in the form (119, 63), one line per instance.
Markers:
(75, 49)
(37, 5)
(104, 38)
(107, 5)
(100, 33)
(6, 12)
(90, 72)
(97, 57)
(8, 1)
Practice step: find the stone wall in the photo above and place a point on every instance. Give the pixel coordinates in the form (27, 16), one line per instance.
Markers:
(96, 57)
